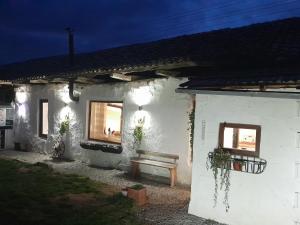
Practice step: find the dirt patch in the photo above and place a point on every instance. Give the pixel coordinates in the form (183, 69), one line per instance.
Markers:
(82, 199)
(24, 170)
(109, 190)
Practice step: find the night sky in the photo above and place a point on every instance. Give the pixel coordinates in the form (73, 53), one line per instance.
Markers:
(35, 28)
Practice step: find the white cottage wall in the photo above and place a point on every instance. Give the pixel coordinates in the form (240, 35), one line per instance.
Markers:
(166, 121)
(9, 143)
(269, 198)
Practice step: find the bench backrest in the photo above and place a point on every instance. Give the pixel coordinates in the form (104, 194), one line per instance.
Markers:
(157, 154)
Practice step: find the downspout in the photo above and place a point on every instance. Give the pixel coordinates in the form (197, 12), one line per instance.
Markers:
(71, 61)
(71, 92)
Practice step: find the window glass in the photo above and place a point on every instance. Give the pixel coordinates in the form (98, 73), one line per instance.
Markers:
(105, 123)
(43, 118)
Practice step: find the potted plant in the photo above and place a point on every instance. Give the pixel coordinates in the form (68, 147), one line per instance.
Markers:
(220, 163)
(138, 193)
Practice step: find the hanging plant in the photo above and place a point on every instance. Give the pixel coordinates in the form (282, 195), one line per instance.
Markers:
(191, 117)
(220, 163)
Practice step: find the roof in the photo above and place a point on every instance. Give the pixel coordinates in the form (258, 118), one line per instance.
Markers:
(202, 56)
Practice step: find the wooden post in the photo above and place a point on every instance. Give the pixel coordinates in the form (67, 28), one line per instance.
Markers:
(135, 169)
(173, 177)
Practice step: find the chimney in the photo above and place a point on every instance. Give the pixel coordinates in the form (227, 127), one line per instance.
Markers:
(71, 45)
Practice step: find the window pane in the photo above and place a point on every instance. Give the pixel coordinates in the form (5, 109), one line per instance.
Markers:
(45, 118)
(246, 139)
(239, 138)
(105, 121)
(228, 137)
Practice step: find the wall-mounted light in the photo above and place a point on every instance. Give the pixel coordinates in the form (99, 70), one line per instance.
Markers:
(140, 107)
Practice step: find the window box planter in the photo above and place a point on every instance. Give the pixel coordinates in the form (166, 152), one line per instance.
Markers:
(116, 149)
(247, 164)
(138, 193)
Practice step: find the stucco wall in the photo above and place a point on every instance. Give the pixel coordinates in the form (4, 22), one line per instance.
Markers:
(166, 121)
(269, 198)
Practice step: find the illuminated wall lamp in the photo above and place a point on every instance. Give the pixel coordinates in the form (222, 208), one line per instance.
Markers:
(140, 107)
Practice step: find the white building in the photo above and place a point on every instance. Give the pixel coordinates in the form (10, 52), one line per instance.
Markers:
(244, 83)
(252, 113)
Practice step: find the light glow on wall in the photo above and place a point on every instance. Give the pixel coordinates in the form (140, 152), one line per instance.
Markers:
(21, 97)
(142, 96)
(22, 111)
(142, 115)
(64, 94)
(65, 112)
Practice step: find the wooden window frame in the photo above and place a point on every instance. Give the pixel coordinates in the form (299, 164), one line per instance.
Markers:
(242, 126)
(41, 118)
(89, 121)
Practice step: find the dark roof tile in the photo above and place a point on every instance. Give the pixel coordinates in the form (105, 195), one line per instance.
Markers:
(258, 44)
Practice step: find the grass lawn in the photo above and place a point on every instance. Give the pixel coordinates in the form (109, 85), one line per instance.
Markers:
(36, 195)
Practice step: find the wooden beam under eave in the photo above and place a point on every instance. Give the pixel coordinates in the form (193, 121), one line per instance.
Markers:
(39, 81)
(88, 80)
(167, 73)
(58, 80)
(5, 82)
(122, 76)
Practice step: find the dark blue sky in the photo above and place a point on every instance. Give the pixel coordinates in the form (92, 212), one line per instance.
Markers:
(35, 28)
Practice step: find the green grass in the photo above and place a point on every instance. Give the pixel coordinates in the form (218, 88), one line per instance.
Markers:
(39, 196)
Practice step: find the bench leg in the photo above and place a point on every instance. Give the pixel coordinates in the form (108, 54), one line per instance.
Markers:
(173, 177)
(135, 169)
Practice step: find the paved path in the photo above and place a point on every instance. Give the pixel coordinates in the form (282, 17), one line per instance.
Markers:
(167, 206)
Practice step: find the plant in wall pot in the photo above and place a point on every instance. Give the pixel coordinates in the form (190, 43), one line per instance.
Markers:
(238, 164)
(220, 163)
(138, 133)
(59, 145)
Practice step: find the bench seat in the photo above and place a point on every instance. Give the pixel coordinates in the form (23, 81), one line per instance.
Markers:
(157, 161)
(154, 163)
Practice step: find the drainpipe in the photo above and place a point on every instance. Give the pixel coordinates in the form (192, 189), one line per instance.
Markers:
(71, 92)
(71, 62)
(71, 45)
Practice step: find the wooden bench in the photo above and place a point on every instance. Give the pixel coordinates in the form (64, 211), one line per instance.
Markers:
(157, 161)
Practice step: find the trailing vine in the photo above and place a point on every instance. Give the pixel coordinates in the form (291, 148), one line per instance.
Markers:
(220, 164)
(191, 126)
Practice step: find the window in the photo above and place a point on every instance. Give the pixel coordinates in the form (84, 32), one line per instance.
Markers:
(105, 121)
(43, 120)
(240, 139)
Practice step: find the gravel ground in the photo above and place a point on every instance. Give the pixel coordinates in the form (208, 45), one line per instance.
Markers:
(167, 206)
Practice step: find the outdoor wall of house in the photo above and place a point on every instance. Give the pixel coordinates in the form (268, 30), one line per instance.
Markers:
(165, 128)
(9, 144)
(270, 198)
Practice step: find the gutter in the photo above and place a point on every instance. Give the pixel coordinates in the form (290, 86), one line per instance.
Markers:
(246, 93)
